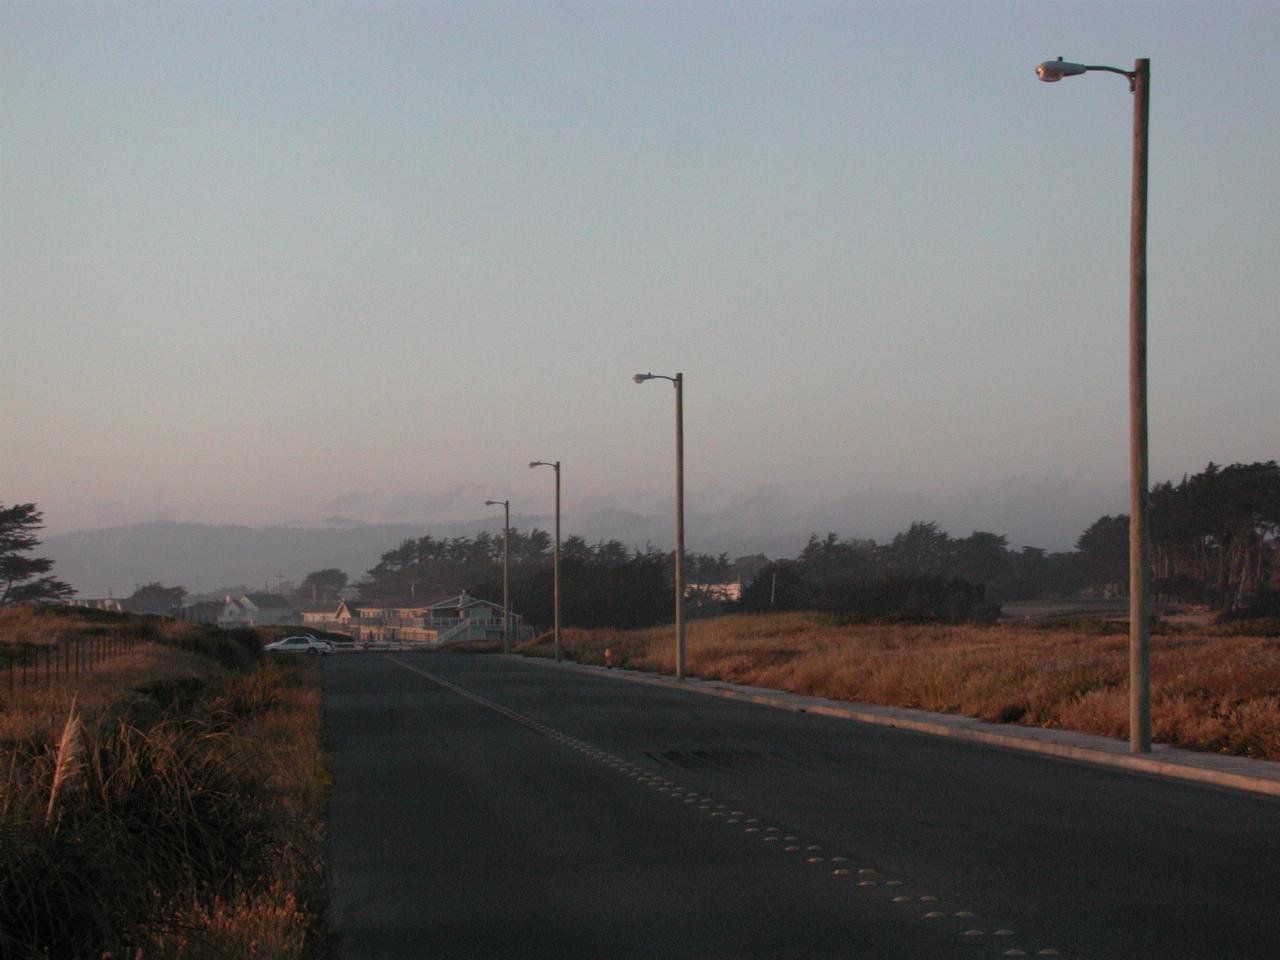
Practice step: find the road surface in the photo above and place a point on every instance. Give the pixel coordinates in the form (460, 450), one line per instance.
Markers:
(505, 808)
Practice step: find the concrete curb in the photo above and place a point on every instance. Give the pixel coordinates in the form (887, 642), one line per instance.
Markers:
(1236, 773)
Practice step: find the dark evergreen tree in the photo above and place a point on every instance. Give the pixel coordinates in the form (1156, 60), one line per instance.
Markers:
(24, 579)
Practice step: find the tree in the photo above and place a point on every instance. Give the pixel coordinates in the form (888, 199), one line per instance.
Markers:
(1104, 550)
(322, 584)
(21, 578)
(1218, 528)
(923, 549)
(155, 590)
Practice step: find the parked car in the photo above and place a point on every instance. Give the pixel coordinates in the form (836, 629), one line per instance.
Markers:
(301, 644)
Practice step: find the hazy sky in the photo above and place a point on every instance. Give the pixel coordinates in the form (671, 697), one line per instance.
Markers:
(271, 262)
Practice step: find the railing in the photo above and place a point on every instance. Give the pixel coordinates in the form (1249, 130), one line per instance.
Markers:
(459, 627)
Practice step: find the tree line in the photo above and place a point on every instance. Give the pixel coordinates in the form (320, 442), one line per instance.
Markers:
(1214, 540)
(603, 584)
(1215, 537)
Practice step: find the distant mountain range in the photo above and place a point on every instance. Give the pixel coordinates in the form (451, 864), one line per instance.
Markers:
(204, 557)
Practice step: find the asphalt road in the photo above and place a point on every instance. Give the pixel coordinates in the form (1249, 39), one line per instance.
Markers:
(493, 807)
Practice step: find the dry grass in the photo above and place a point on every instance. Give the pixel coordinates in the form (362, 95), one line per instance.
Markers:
(37, 712)
(194, 829)
(1209, 692)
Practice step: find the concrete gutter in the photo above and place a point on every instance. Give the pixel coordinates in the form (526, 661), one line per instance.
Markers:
(1236, 773)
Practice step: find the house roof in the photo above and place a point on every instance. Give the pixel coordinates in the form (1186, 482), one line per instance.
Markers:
(451, 601)
(266, 601)
(316, 607)
(403, 603)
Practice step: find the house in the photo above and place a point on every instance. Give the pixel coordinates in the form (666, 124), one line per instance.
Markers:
(451, 619)
(324, 616)
(710, 599)
(97, 603)
(203, 611)
(256, 610)
(714, 592)
(153, 605)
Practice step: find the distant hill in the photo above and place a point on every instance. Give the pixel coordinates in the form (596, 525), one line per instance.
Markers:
(204, 556)
(199, 556)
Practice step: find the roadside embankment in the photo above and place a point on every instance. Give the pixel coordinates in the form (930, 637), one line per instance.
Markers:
(1213, 689)
(167, 803)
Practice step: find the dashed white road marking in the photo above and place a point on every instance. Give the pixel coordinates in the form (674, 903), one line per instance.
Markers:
(665, 786)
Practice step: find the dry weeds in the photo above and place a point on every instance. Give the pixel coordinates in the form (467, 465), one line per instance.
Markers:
(195, 831)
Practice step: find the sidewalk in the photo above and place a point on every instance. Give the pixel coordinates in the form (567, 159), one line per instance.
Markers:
(1237, 773)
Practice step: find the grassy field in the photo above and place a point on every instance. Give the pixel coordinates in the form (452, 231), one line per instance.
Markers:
(1212, 689)
(181, 818)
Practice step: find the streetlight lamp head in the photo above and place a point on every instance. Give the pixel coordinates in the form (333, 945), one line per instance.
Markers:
(1051, 71)
(534, 463)
(642, 377)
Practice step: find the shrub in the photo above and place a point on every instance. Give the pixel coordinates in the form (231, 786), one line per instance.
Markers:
(191, 830)
(236, 649)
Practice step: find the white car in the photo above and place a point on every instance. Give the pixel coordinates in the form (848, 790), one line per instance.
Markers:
(307, 644)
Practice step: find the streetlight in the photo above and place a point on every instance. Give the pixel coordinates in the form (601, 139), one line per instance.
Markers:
(1051, 71)
(678, 381)
(555, 568)
(506, 570)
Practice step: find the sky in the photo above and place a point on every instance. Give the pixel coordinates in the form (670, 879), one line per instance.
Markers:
(274, 263)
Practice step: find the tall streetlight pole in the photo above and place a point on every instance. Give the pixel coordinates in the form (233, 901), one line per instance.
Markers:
(555, 563)
(506, 571)
(678, 381)
(1139, 77)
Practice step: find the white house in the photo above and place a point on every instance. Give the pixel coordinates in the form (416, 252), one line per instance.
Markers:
(445, 620)
(256, 610)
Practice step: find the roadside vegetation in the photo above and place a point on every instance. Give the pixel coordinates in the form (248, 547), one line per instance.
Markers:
(165, 806)
(1213, 688)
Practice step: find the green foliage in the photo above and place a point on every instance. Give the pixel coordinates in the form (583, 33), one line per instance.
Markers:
(236, 649)
(884, 598)
(156, 591)
(24, 579)
(1214, 539)
(1220, 528)
(322, 585)
(83, 614)
(604, 585)
(1263, 606)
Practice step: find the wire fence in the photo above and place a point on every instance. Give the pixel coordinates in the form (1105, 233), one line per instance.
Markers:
(65, 661)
